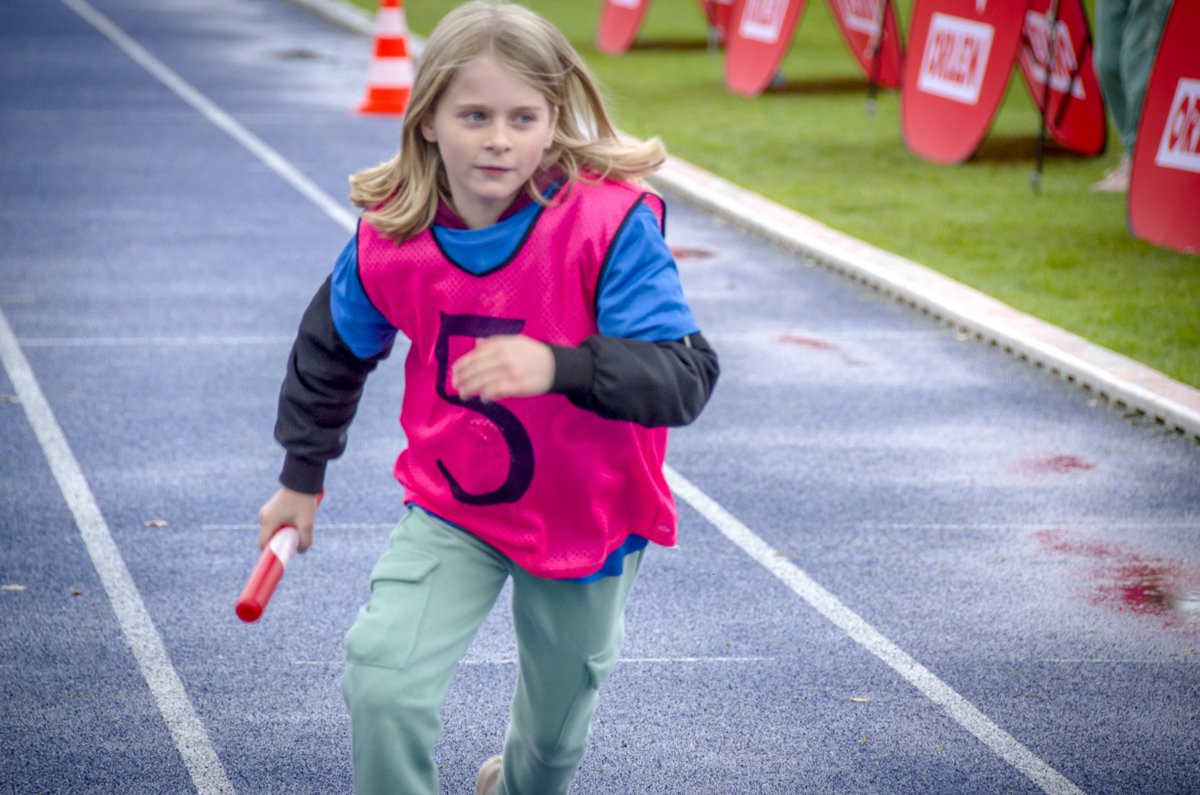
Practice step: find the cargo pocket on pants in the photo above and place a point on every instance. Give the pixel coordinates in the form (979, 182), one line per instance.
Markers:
(385, 631)
(576, 726)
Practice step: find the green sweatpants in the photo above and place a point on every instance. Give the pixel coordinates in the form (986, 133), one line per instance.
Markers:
(430, 591)
(1127, 34)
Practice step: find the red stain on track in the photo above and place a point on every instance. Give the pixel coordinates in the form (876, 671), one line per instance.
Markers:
(1056, 463)
(1141, 587)
(807, 342)
(819, 345)
(1058, 541)
(1123, 580)
(682, 252)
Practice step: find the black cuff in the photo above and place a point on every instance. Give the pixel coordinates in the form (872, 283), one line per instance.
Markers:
(303, 475)
(574, 369)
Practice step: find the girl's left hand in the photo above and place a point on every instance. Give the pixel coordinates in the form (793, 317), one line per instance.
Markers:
(503, 367)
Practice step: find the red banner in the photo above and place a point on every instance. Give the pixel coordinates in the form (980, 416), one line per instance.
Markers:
(1164, 187)
(759, 35)
(718, 13)
(961, 53)
(1075, 114)
(619, 23)
(873, 36)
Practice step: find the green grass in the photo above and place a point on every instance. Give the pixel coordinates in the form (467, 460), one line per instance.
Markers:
(1064, 256)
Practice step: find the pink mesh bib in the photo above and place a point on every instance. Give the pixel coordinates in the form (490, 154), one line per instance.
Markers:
(553, 487)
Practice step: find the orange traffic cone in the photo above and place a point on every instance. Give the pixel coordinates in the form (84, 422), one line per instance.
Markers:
(390, 76)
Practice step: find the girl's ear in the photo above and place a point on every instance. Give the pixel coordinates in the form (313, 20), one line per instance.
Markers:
(427, 131)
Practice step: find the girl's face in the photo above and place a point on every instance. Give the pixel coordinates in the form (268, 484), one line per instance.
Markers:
(491, 129)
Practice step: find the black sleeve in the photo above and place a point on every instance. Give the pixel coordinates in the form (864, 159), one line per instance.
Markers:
(319, 396)
(650, 383)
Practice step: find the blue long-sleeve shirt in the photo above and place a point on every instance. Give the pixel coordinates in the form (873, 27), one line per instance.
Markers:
(647, 335)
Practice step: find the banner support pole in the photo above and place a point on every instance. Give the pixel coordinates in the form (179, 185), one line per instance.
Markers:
(876, 46)
(1035, 179)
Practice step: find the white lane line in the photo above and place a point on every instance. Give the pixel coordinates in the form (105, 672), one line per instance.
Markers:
(1129, 661)
(512, 660)
(906, 526)
(185, 91)
(673, 660)
(1091, 526)
(243, 527)
(205, 768)
(1006, 746)
(773, 335)
(155, 342)
(966, 714)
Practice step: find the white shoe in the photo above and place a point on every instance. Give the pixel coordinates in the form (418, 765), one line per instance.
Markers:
(1116, 180)
(489, 776)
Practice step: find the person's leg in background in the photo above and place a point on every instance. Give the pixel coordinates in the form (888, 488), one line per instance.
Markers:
(1127, 36)
(1110, 32)
(1143, 29)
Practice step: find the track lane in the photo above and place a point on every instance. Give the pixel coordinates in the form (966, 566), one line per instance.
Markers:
(728, 435)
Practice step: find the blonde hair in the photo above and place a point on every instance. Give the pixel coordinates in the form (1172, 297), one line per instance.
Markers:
(401, 195)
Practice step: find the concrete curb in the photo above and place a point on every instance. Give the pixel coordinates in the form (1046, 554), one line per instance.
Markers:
(344, 15)
(1116, 378)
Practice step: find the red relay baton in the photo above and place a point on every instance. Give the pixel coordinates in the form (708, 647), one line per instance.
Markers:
(268, 572)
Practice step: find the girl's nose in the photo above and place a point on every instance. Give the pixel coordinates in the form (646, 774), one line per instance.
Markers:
(498, 137)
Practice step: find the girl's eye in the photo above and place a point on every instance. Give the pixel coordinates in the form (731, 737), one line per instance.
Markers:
(475, 116)
(525, 118)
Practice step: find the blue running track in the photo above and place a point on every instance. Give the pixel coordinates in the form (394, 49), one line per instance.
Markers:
(909, 563)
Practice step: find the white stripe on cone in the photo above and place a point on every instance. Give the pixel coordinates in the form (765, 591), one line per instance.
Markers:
(390, 73)
(391, 22)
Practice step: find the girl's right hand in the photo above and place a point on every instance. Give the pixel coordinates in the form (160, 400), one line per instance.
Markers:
(288, 507)
(504, 366)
